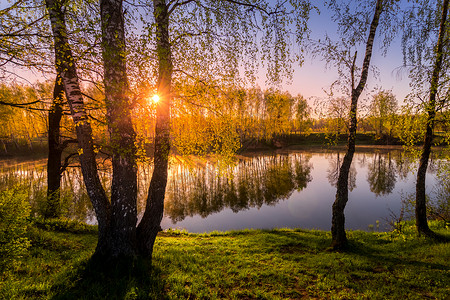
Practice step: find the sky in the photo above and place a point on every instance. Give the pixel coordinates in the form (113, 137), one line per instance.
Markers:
(313, 77)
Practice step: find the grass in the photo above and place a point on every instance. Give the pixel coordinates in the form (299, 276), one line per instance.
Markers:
(317, 140)
(249, 264)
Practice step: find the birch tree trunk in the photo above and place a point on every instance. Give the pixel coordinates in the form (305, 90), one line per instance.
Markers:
(150, 224)
(54, 153)
(122, 135)
(421, 209)
(65, 66)
(339, 238)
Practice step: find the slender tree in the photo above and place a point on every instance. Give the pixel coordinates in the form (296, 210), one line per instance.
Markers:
(150, 224)
(163, 13)
(54, 163)
(23, 43)
(66, 68)
(121, 131)
(226, 14)
(339, 238)
(430, 108)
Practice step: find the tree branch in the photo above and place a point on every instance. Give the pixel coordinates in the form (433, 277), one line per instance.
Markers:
(20, 105)
(176, 4)
(353, 70)
(96, 119)
(66, 162)
(66, 143)
(188, 34)
(254, 6)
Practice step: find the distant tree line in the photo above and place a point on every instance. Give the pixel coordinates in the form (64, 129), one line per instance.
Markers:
(252, 115)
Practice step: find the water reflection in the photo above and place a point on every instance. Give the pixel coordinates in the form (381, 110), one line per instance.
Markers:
(403, 165)
(253, 182)
(293, 189)
(335, 162)
(381, 174)
(440, 199)
(32, 176)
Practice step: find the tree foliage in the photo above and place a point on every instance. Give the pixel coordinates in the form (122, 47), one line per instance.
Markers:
(22, 126)
(383, 109)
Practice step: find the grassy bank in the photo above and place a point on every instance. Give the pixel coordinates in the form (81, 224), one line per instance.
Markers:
(324, 140)
(253, 264)
(315, 139)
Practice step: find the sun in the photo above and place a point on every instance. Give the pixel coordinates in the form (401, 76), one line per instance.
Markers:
(155, 98)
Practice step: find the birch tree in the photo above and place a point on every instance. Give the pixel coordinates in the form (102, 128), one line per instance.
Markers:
(24, 41)
(427, 54)
(198, 42)
(119, 233)
(65, 65)
(358, 24)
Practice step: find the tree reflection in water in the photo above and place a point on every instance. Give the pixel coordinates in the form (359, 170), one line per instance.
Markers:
(335, 162)
(440, 200)
(381, 174)
(32, 177)
(253, 182)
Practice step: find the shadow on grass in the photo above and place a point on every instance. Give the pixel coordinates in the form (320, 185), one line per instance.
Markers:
(297, 242)
(393, 257)
(310, 241)
(123, 279)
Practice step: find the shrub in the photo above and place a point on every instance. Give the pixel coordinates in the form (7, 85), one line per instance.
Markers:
(64, 225)
(14, 212)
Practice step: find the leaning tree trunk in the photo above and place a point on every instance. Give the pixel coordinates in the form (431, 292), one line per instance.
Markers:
(65, 67)
(151, 221)
(120, 127)
(53, 209)
(421, 209)
(339, 238)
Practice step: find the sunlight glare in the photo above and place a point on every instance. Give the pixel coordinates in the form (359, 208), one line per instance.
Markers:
(155, 98)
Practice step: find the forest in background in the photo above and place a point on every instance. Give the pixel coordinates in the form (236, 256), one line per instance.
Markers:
(246, 117)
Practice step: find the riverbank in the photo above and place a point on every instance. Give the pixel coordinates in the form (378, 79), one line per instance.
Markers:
(315, 140)
(324, 140)
(249, 264)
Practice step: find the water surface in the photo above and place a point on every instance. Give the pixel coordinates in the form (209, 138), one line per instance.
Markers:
(293, 189)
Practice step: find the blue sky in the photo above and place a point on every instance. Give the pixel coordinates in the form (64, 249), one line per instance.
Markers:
(313, 77)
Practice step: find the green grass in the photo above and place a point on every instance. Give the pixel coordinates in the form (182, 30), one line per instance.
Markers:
(249, 264)
(319, 139)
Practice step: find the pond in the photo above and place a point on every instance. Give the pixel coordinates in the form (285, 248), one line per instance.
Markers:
(293, 189)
